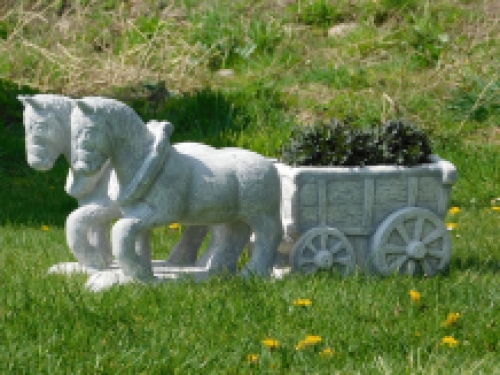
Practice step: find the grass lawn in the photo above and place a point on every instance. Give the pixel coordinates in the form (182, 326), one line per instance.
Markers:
(235, 73)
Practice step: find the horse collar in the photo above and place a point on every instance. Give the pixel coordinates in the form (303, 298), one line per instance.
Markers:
(149, 170)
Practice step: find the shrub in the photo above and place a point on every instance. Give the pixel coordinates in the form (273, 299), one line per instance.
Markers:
(335, 144)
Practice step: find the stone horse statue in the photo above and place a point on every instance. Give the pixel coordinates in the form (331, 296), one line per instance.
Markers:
(47, 126)
(159, 184)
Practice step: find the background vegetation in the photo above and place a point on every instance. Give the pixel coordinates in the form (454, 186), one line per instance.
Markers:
(239, 73)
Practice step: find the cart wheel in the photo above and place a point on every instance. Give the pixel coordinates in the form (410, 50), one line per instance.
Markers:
(322, 249)
(411, 241)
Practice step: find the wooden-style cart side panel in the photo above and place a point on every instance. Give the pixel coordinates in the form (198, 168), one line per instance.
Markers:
(324, 200)
(357, 200)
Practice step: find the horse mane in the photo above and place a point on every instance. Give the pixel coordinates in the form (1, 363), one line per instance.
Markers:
(121, 120)
(59, 105)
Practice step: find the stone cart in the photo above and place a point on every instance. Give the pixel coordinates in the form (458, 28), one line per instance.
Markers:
(380, 219)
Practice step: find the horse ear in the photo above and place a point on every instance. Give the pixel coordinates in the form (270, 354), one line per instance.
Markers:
(29, 101)
(169, 129)
(83, 106)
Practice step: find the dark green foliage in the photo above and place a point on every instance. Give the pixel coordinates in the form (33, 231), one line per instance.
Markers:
(230, 43)
(12, 159)
(403, 144)
(338, 77)
(323, 12)
(476, 99)
(11, 108)
(336, 144)
(215, 117)
(4, 30)
(427, 38)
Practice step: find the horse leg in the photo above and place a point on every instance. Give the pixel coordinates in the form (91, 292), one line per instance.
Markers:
(185, 251)
(124, 235)
(225, 247)
(268, 232)
(87, 236)
(143, 246)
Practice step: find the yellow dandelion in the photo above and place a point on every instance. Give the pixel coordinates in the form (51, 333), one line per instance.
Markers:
(495, 208)
(174, 226)
(302, 302)
(454, 210)
(451, 226)
(450, 319)
(252, 358)
(45, 227)
(310, 340)
(449, 340)
(327, 352)
(270, 343)
(313, 340)
(414, 295)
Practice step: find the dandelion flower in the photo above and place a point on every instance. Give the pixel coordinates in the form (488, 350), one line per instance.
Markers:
(451, 226)
(270, 343)
(449, 340)
(302, 302)
(45, 227)
(414, 295)
(252, 358)
(495, 208)
(454, 210)
(310, 340)
(174, 226)
(327, 352)
(451, 319)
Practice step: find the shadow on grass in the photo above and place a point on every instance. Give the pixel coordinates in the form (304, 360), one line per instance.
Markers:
(209, 116)
(475, 263)
(27, 197)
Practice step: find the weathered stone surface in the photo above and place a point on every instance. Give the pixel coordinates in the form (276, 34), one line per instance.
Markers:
(235, 190)
(48, 135)
(382, 219)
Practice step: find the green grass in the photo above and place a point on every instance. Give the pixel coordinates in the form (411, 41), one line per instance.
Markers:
(431, 62)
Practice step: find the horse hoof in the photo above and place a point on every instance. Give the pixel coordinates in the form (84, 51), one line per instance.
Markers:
(70, 268)
(104, 280)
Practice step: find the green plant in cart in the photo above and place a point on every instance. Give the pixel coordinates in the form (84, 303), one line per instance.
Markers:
(336, 144)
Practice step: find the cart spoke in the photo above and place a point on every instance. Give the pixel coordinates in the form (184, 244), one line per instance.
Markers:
(346, 261)
(427, 268)
(402, 231)
(434, 235)
(435, 254)
(418, 228)
(396, 265)
(323, 238)
(305, 261)
(410, 267)
(309, 244)
(338, 246)
(394, 249)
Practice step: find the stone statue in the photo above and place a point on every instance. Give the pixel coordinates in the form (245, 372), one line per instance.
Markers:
(47, 126)
(234, 190)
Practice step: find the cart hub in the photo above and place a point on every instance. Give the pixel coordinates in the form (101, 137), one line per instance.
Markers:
(416, 250)
(324, 259)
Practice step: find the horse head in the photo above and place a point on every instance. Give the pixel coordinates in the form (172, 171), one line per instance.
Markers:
(102, 129)
(46, 123)
(89, 146)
